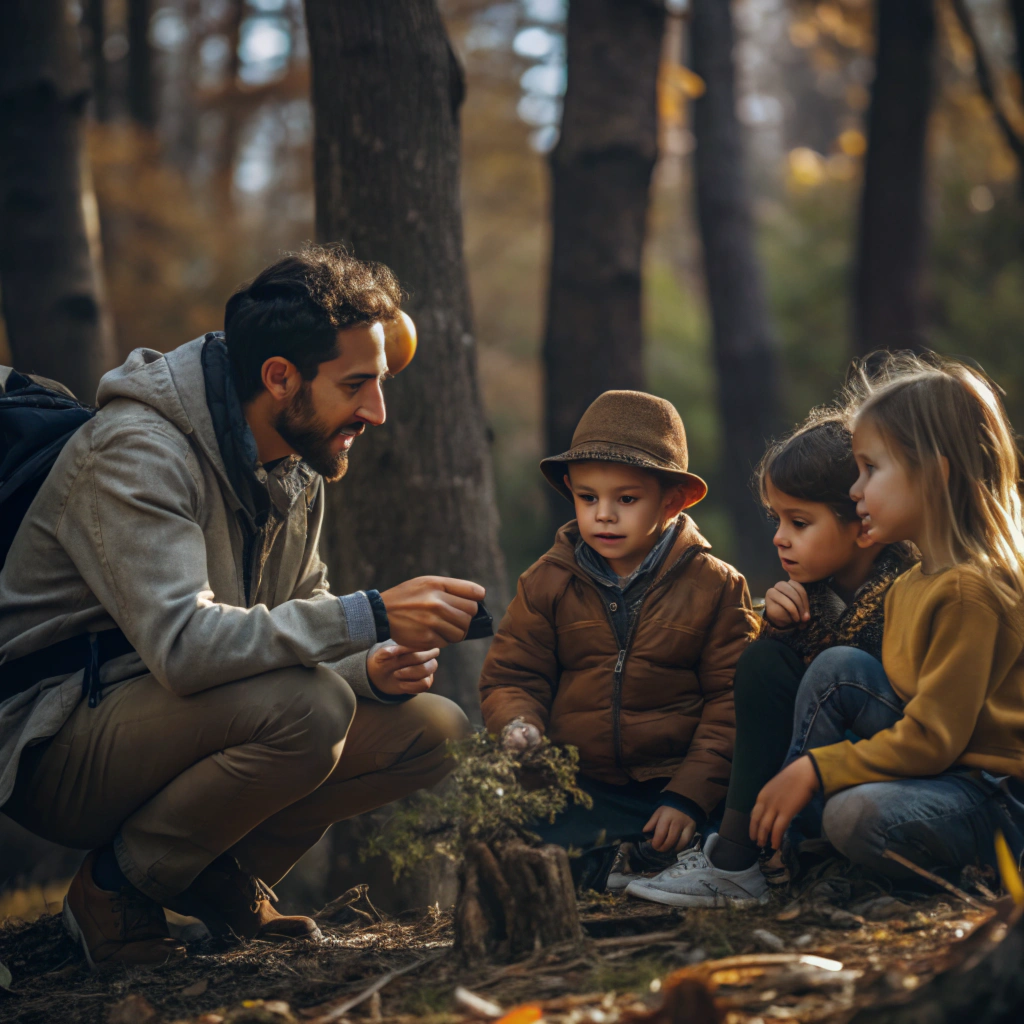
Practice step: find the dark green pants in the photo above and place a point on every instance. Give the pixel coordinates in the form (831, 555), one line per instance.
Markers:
(767, 678)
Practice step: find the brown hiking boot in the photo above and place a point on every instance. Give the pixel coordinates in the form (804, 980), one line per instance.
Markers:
(123, 927)
(233, 904)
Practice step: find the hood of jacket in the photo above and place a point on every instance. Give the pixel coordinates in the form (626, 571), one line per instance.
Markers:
(176, 385)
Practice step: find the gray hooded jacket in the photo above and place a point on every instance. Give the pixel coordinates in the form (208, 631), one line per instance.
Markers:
(137, 526)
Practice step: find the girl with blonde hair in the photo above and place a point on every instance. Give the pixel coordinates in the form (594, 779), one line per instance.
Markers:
(941, 762)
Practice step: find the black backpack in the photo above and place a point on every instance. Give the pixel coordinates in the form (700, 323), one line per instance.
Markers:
(37, 417)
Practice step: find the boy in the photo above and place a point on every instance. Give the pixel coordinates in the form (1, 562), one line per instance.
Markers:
(622, 641)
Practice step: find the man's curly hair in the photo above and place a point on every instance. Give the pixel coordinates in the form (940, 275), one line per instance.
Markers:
(295, 308)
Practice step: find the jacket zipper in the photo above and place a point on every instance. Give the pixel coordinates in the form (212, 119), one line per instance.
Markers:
(624, 651)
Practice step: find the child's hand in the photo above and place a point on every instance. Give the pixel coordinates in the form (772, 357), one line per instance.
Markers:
(519, 735)
(781, 800)
(786, 605)
(673, 829)
(398, 670)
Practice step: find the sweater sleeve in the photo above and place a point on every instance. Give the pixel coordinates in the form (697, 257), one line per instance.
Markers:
(521, 672)
(703, 777)
(939, 719)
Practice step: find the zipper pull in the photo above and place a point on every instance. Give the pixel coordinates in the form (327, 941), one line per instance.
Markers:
(619, 663)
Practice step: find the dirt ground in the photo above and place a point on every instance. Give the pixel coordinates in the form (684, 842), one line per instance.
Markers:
(841, 944)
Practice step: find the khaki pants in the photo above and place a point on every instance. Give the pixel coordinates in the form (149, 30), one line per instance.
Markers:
(259, 768)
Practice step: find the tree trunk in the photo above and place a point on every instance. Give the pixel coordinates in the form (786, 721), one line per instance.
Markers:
(601, 173)
(95, 17)
(50, 271)
(141, 94)
(893, 234)
(1017, 15)
(419, 496)
(514, 899)
(746, 351)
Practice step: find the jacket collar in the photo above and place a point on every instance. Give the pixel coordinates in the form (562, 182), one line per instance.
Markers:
(563, 551)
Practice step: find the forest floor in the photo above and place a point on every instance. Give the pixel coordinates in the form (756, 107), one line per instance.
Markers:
(842, 944)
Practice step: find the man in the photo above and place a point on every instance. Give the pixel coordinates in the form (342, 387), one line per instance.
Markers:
(230, 708)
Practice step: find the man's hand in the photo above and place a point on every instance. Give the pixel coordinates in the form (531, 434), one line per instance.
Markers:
(786, 605)
(398, 670)
(519, 735)
(781, 800)
(431, 611)
(673, 829)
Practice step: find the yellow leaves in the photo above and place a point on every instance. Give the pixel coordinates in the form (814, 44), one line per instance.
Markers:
(852, 142)
(676, 85)
(1008, 869)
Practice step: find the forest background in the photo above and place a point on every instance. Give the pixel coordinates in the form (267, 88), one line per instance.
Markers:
(821, 200)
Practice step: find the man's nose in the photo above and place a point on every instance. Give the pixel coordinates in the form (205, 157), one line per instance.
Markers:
(605, 512)
(372, 409)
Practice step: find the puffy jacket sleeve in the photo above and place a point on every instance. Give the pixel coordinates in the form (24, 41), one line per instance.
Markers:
(703, 777)
(131, 526)
(520, 675)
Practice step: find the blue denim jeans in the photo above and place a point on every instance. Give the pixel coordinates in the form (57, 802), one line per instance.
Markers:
(941, 823)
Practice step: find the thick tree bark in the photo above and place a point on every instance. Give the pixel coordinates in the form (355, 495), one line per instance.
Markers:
(514, 899)
(745, 349)
(601, 173)
(419, 496)
(95, 18)
(50, 270)
(141, 92)
(891, 247)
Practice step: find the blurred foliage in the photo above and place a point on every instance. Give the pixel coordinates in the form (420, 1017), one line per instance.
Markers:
(491, 796)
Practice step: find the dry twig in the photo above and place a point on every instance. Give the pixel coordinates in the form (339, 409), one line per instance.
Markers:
(948, 886)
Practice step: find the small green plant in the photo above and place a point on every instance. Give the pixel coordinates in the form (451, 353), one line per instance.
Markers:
(492, 795)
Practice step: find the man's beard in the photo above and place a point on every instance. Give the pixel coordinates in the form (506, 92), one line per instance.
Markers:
(304, 431)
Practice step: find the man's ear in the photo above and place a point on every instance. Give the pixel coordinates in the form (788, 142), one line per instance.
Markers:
(281, 378)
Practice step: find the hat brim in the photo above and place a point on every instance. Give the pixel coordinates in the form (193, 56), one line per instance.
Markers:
(555, 468)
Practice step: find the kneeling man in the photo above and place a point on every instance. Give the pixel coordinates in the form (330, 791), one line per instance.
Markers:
(180, 693)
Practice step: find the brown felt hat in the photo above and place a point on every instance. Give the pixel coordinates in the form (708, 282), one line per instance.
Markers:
(633, 428)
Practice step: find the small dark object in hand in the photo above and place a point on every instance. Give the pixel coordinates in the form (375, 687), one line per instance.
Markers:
(481, 624)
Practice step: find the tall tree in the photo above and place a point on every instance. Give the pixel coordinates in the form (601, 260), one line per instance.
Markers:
(891, 246)
(419, 496)
(50, 267)
(745, 348)
(141, 87)
(601, 173)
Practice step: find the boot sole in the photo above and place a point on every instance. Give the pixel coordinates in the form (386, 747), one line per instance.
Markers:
(672, 899)
(73, 930)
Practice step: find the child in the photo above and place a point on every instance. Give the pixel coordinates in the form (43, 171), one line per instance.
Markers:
(838, 578)
(942, 713)
(622, 640)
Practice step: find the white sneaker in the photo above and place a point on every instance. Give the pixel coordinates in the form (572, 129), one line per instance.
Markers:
(694, 882)
(621, 873)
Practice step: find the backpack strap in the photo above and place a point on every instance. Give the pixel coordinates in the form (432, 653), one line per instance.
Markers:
(86, 651)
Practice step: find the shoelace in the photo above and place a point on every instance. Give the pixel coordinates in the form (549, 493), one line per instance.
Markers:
(688, 861)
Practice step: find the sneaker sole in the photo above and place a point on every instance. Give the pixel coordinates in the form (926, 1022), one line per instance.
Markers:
(672, 899)
(71, 927)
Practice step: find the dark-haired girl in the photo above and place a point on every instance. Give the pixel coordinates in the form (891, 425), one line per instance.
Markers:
(837, 578)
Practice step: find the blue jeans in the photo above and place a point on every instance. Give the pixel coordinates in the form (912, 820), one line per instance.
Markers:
(942, 823)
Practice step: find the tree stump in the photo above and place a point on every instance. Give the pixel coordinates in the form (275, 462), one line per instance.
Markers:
(514, 899)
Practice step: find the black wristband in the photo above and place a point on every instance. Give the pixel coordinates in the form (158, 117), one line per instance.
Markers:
(684, 804)
(380, 615)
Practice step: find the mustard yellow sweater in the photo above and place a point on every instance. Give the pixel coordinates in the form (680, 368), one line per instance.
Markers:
(953, 653)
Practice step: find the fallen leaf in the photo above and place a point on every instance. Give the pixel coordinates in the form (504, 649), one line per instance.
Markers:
(133, 1009)
(528, 1013)
(197, 988)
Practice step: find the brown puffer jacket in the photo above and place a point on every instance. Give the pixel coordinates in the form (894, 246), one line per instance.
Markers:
(668, 709)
